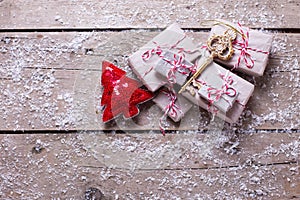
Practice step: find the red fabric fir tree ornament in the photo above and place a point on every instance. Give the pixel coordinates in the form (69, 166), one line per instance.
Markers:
(121, 94)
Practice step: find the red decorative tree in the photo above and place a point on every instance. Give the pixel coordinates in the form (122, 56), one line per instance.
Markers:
(121, 94)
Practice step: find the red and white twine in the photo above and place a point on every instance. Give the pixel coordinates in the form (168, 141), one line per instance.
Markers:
(148, 54)
(215, 94)
(243, 47)
(177, 65)
(170, 109)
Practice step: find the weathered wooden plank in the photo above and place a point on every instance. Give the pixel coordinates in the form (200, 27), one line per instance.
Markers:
(44, 14)
(268, 182)
(148, 151)
(69, 100)
(73, 50)
(51, 80)
(65, 165)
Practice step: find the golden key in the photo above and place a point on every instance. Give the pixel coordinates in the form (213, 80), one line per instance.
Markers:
(220, 46)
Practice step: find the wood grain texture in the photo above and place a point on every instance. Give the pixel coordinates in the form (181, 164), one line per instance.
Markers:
(21, 14)
(52, 81)
(262, 165)
(49, 84)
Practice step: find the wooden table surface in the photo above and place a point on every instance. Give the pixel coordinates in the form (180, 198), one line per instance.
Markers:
(53, 145)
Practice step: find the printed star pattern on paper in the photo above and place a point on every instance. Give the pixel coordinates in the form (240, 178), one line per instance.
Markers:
(121, 94)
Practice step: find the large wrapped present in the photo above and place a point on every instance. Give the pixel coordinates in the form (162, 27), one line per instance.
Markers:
(216, 89)
(150, 55)
(156, 54)
(251, 48)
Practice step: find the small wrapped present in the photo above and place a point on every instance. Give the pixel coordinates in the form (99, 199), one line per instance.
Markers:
(150, 55)
(158, 53)
(175, 69)
(251, 48)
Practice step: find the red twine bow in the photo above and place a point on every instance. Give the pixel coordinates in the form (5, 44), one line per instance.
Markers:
(177, 66)
(243, 47)
(226, 89)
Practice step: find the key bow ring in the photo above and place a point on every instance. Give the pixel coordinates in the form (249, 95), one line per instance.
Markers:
(220, 46)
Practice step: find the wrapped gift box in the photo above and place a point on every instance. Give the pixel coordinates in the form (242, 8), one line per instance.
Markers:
(156, 54)
(251, 51)
(216, 89)
(147, 57)
(210, 77)
(173, 69)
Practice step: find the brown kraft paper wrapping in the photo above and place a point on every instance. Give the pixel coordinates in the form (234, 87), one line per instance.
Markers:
(243, 87)
(171, 36)
(259, 44)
